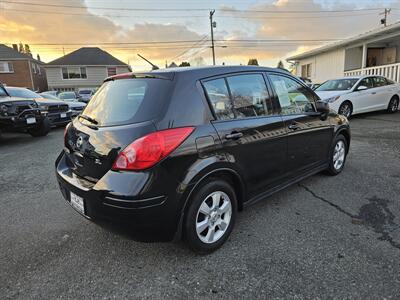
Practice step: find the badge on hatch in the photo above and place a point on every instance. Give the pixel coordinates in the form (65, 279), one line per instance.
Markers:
(79, 142)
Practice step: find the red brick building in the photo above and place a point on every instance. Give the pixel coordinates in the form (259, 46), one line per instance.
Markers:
(22, 70)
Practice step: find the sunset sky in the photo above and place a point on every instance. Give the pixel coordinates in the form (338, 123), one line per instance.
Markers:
(179, 30)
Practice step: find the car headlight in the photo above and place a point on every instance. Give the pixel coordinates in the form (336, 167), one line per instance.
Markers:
(331, 99)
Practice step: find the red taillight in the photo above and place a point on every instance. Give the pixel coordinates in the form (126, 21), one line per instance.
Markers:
(150, 149)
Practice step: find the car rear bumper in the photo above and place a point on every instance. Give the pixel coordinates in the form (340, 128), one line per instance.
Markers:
(118, 197)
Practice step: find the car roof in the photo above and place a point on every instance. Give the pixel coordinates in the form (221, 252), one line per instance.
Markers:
(197, 72)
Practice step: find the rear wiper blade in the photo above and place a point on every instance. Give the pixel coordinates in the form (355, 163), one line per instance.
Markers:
(87, 118)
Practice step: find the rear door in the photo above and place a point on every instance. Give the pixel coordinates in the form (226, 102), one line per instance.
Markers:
(252, 134)
(309, 135)
(384, 92)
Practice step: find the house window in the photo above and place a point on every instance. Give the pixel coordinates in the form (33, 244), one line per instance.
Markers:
(306, 71)
(111, 71)
(74, 73)
(6, 67)
(38, 69)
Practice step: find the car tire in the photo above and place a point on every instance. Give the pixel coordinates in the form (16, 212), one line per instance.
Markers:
(211, 205)
(393, 105)
(41, 130)
(346, 109)
(337, 155)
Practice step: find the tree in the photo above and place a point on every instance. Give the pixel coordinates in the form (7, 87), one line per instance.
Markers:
(27, 49)
(280, 65)
(184, 64)
(21, 48)
(253, 62)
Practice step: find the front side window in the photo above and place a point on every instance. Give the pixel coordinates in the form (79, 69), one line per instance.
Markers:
(6, 67)
(74, 73)
(293, 97)
(218, 95)
(249, 95)
(367, 82)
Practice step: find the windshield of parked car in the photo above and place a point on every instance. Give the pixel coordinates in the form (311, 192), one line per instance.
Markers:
(337, 85)
(22, 93)
(3, 92)
(127, 101)
(67, 95)
(49, 96)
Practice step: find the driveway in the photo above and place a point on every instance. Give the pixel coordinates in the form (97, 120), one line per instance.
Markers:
(327, 237)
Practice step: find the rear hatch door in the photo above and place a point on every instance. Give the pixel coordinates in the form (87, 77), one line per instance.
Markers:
(122, 111)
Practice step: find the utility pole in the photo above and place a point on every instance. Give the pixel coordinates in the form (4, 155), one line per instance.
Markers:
(386, 13)
(212, 25)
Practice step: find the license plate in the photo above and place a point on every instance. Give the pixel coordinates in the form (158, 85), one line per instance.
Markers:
(30, 120)
(63, 115)
(77, 203)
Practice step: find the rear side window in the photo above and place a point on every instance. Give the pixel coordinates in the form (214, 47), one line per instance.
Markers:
(249, 95)
(293, 97)
(246, 97)
(218, 94)
(127, 101)
(379, 81)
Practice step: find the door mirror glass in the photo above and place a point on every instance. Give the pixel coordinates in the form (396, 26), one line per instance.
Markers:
(362, 88)
(322, 107)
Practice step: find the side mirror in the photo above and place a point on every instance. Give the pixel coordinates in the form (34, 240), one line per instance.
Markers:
(362, 88)
(322, 107)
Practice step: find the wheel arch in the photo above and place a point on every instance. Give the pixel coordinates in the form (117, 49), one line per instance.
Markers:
(226, 173)
(345, 132)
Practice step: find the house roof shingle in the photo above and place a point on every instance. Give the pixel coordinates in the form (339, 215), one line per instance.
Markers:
(89, 56)
(9, 53)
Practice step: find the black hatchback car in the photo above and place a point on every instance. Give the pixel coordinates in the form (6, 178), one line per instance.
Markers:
(180, 151)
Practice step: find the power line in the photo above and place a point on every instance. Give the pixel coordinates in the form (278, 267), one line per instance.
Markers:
(183, 42)
(192, 47)
(186, 9)
(185, 16)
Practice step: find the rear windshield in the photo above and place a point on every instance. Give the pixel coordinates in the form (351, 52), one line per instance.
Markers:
(85, 92)
(127, 101)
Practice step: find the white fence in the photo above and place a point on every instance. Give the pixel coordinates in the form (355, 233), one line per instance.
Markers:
(389, 71)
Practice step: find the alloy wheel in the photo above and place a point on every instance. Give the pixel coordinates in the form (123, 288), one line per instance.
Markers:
(213, 217)
(339, 155)
(394, 105)
(345, 110)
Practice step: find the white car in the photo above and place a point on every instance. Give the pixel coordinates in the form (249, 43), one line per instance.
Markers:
(355, 95)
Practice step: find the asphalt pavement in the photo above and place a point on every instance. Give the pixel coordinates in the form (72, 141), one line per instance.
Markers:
(326, 237)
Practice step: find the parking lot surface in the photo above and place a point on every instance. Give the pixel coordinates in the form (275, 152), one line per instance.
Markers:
(326, 237)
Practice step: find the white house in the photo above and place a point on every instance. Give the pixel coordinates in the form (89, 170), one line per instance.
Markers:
(83, 68)
(376, 52)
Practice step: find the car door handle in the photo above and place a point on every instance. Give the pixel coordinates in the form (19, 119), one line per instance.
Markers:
(373, 93)
(234, 136)
(293, 127)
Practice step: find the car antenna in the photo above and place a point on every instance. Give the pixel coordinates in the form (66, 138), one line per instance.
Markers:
(154, 67)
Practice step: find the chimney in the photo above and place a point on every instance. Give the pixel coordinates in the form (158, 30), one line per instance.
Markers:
(38, 57)
(15, 47)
